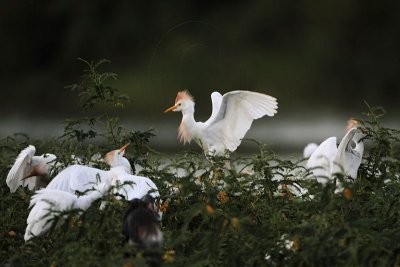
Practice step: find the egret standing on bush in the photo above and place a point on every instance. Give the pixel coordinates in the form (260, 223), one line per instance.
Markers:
(329, 158)
(231, 117)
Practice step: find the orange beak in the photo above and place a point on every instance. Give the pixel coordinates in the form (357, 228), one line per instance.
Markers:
(122, 149)
(171, 108)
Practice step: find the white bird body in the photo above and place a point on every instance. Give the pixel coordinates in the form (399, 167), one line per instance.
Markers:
(47, 203)
(132, 187)
(329, 159)
(78, 178)
(81, 178)
(135, 187)
(231, 118)
(29, 169)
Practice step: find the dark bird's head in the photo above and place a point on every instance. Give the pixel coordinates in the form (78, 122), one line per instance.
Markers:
(140, 224)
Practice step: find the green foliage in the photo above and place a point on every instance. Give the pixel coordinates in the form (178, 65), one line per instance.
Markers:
(92, 88)
(217, 211)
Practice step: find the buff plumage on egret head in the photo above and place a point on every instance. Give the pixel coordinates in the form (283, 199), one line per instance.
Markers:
(231, 118)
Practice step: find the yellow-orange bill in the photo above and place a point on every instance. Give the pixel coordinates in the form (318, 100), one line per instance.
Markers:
(170, 109)
(124, 147)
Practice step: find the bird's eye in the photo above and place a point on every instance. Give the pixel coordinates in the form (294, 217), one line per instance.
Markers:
(180, 104)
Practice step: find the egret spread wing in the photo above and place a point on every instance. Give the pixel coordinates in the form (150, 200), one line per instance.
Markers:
(43, 203)
(237, 111)
(216, 99)
(309, 149)
(320, 161)
(20, 169)
(77, 178)
(139, 187)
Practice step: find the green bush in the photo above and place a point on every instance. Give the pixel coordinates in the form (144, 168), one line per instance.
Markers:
(214, 215)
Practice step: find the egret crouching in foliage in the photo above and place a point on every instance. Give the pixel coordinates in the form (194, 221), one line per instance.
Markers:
(329, 159)
(30, 170)
(231, 118)
(46, 204)
(140, 228)
(81, 178)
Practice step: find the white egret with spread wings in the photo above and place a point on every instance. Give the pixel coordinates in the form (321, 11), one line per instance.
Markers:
(231, 118)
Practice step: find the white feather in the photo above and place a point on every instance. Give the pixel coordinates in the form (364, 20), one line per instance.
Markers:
(320, 162)
(24, 165)
(78, 178)
(309, 149)
(47, 203)
(328, 159)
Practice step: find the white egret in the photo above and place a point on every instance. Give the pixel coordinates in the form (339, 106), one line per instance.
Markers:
(47, 203)
(311, 147)
(231, 117)
(30, 170)
(329, 159)
(81, 178)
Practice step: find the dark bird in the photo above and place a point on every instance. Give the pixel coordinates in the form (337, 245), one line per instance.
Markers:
(141, 228)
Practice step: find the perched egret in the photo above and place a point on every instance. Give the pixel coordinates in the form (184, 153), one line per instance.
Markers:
(329, 159)
(47, 203)
(30, 170)
(231, 117)
(311, 147)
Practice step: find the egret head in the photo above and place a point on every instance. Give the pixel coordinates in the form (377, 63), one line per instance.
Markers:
(183, 101)
(351, 123)
(42, 168)
(359, 133)
(49, 157)
(116, 157)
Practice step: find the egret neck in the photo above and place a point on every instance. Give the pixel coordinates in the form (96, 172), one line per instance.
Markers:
(188, 126)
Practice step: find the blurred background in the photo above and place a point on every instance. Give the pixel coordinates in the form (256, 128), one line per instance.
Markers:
(321, 60)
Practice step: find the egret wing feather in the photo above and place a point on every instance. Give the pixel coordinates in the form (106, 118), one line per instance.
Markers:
(139, 187)
(47, 202)
(20, 169)
(77, 178)
(320, 161)
(216, 100)
(237, 111)
(43, 202)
